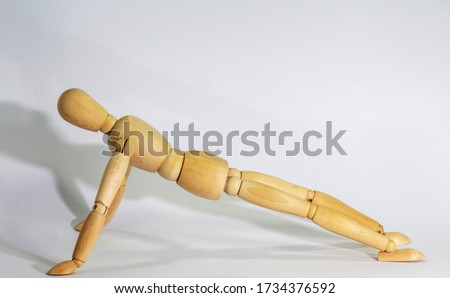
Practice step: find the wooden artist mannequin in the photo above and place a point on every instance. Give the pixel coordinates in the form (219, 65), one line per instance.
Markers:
(207, 176)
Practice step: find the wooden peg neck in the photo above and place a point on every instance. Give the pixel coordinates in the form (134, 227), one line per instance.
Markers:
(108, 124)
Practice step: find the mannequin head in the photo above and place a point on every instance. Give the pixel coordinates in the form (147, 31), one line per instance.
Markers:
(80, 109)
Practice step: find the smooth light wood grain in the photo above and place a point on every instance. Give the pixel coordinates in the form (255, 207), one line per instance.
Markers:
(398, 238)
(88, 236)
(64, 268)
(113, 208)
(290, 188)
(325, 200)
(344, 226)
(116, 170)
(269, 197)
(401, 255)
(203, 174)
(233, 185)
(147, 147)
(80, 109)
(171, 167)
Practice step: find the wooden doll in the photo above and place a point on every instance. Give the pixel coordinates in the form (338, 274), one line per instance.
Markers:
(207, 176)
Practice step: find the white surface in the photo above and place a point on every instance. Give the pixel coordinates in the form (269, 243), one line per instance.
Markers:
(379, 69)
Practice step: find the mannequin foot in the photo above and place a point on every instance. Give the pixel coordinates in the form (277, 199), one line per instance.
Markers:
(79, 226)
(401, 255)
(398, 238)
(65, 268)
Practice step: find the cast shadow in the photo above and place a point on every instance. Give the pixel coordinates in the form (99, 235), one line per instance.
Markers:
(146, 256)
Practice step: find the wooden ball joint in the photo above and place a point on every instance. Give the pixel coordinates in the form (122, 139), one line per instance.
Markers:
(207, 176)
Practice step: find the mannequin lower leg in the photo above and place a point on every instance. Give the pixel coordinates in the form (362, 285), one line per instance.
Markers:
(324, 200)
(340, 224)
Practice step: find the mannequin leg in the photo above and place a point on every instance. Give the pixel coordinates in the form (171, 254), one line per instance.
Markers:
(320, 199)
(332, 220)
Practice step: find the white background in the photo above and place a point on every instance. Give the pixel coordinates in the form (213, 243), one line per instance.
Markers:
(378, 69)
